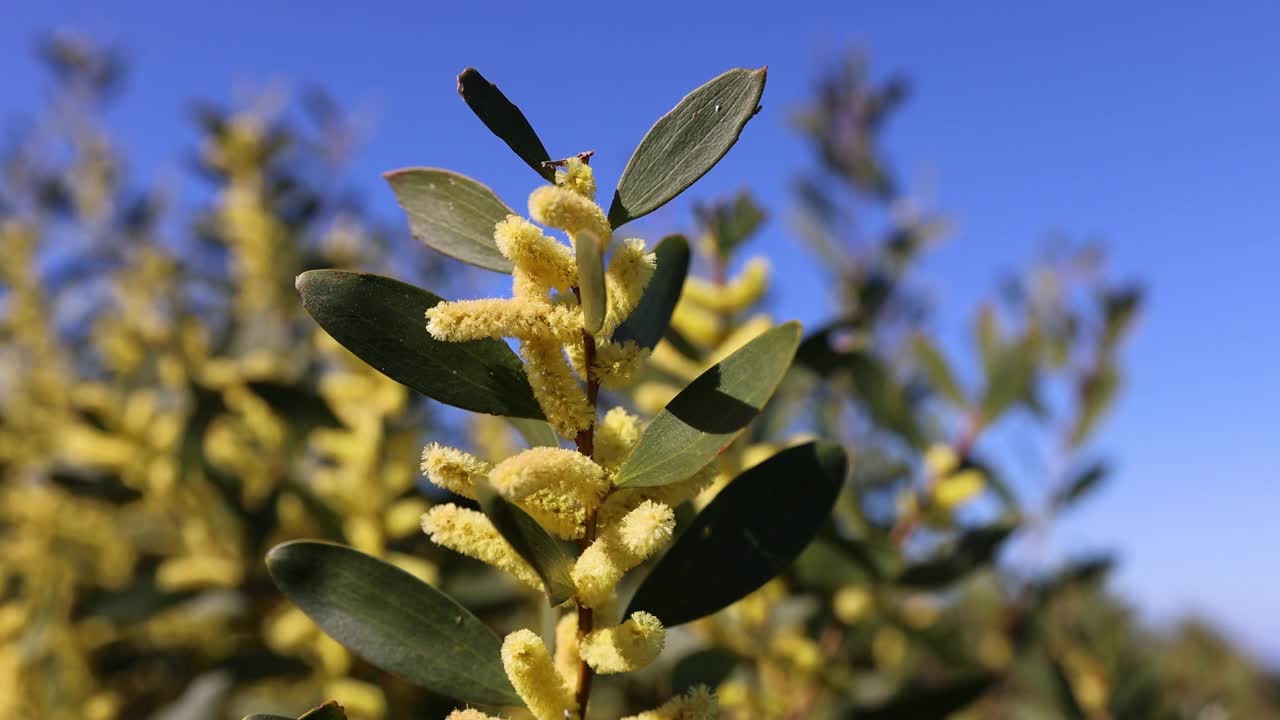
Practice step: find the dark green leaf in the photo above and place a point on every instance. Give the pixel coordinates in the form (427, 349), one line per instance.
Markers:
(1119, 308)
(686, 142)
(974, 549)
(1010, 377)
(1097, 392)
(752, 530)
(393, 620)
(885, 397)
(296, 402)
(328, 711)
(709, 667)
(382, 321)
(504, 119)
(705, 417)
(927, 702)
(1084, 481)
(937, 369)
(531, 542)
(649, 321)
(452, 214)
(731, 223)
(990, 338)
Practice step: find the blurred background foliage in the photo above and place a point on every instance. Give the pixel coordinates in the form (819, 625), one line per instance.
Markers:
(167, 413)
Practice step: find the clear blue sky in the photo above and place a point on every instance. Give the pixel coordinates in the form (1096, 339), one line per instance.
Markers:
(1153, 126)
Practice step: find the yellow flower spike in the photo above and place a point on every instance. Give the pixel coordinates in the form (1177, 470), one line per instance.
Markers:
(734, 296)
(626, 647)
(623, 500)
(544, 261)
(630, 270)
(639, 534)
(543, 468)
(852, 603)
(953, 491)
(616, 364)
(647, 528)
(567, 657)
(402, 518)
(559, 514)
(698, 324)
(651, 396)
(453, 469)
(521, 318)
(940, 460)
(533, 674)
(358, 698)
(616, 436)
(470, 714)
(746, 332)
(562, 398)
(567, 210)
(697, 704)
(198, 572)
(578, 177)
(471, 533)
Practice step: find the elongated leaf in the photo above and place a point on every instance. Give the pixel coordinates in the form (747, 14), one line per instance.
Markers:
(328, 711)
(709, 667)
(705, 417)
(393, 620)
(591, 293)
(1010, 377)
(536, 433)
(300, 404)
(1097, 392)
(973, 550)
(686, 142)
(1080, 485)
(504, 119)
(752, 530)
(927, 702)
(452, 214)
(649, 321)
(531, 542)
(938, 371)
(382, 321)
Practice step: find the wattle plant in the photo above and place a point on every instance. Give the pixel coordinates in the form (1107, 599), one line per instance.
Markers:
(596, 494)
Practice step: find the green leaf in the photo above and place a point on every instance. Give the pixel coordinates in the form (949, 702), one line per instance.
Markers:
(591, 292)
(751, 532)
(885, 397)
(918, 701)
(296, 402)
(990, 338)
(731, 223)
(1119, 306)
(530, 542)
(649, 321)
(452, 214)
(393, 620)
(504, 119)
(536, 433)
(1080, 485)
(974, 549)
(1010, 377)
(1097, 392)
(706, 416)
(382, 321)
(938, 371)
(709, 667)
(686, 142)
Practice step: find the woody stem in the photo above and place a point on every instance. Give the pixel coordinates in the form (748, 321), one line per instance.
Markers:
(586, 445)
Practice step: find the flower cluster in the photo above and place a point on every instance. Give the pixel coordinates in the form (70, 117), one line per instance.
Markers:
(569, 353)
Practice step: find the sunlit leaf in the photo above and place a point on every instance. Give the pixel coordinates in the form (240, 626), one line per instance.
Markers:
(504, 119)
(536, 433)
(531, 542)
(393, 620)
(650, 320)
(686, 142)
(452, 214)
(382, 321)
(750, 532)
(587, 254)
(1010, 377)
(705, 417)
(938, 371)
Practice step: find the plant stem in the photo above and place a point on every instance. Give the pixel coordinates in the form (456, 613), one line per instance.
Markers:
(586, 445)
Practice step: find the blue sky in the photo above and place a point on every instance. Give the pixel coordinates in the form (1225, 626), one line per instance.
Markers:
(1154, 127)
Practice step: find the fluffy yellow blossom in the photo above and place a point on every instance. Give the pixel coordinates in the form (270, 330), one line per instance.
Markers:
(578, 177)
(626, 647)
(194, 572)
(567, 657)
(569, 211)
(623, 500)
(734, 296)
(548, 468)
(940, 460)
(358, 698)
(639, 534)
(562, 398)
(696, 704)
(453, 469)
(630, 270)
(520, 318)
(471, 533)
(533, 674)
(696, 323)
(616, 436)
(545, 262)
(954, 490)
(470, 714)
(560, 514)
(851, 603)
(616, 364)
